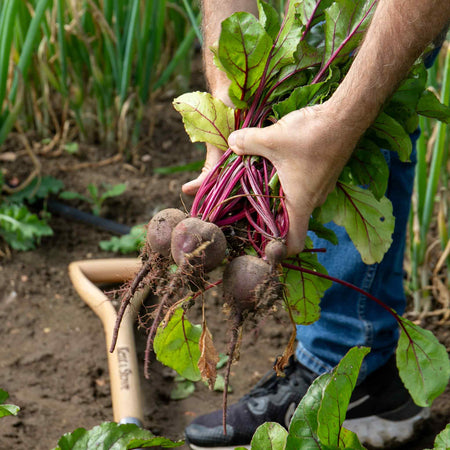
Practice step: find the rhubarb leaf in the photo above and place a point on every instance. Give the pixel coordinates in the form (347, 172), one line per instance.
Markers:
(369, 168)
(244, 47)
(205, 118)
(269, 436)
(369, 222)
(423, 363)
(177, 345)
(388, 133)
(304, 290)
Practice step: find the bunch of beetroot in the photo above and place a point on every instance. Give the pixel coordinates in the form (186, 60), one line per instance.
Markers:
(250, 284)
(238, 217)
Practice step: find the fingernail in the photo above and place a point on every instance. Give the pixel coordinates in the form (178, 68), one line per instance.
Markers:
(232, 139)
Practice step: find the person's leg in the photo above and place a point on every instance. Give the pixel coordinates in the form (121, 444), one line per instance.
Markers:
(349, 318)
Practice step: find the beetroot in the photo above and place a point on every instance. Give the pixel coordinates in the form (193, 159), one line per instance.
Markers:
(240, 280)
(276, 252)
(159, 230)
(198, 242)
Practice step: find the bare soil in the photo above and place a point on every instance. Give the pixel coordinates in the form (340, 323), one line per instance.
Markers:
(53, 358)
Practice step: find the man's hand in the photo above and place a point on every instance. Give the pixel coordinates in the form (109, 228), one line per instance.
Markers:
(309, 149)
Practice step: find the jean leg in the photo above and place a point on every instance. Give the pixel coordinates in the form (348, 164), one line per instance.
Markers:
(348, 318)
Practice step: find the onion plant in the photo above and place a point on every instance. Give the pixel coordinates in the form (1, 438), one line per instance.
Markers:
(93, 62)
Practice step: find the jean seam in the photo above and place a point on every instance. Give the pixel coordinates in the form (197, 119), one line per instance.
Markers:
(310, 361)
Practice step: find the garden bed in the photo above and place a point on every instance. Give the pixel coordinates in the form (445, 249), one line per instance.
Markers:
(53, 355)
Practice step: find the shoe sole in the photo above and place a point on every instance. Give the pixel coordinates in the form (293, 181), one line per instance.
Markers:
(379, 432)
(195, 447)
(375, 431)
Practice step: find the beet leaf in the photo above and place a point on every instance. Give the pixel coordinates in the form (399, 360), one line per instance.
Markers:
(423, 363)
(176, 345)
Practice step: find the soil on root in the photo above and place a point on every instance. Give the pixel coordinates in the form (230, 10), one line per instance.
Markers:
(53, 355)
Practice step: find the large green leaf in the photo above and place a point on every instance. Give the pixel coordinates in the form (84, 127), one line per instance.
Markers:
(304, 290)
(111, 436)
(403, 103)
(346, 21)
(369, 222)
(336, 396)
(389, 134)
(269, 19)
(303, 427)
(176, 345)
(7, 410)
(369, 168)
(299, 98)
(244, 46)
(205, 118)
(430, 106)
(269, 436)
(317, 421)
(423, 363)
(287, 40)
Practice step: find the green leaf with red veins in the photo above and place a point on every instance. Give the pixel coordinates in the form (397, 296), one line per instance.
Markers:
(244, 47)
(312, 11)
(369, 222)
(317, 421)
(336, 396)
(423, 363)
(269, 436)
(285, 44)
(300, 97)
(389, 134)
(112, 436)
(305, 290)
(205, 118)
(345, 23)
(303, 427)
(269, 19)
(176, 345)
(349, 440)
(369, 168)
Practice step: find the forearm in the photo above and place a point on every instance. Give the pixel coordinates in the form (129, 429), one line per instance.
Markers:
(214, 12)
(400, 31)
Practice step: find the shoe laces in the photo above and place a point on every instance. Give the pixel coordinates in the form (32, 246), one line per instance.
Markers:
(270, 382)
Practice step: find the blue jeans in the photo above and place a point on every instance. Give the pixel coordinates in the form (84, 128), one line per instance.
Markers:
(348, 318)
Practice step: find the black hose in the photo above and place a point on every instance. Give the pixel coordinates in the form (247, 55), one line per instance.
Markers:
(69, 212)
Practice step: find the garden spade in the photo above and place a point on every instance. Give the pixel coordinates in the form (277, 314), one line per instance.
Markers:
(122, 363)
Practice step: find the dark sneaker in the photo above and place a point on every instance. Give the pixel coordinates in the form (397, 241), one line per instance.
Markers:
(381, 411)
